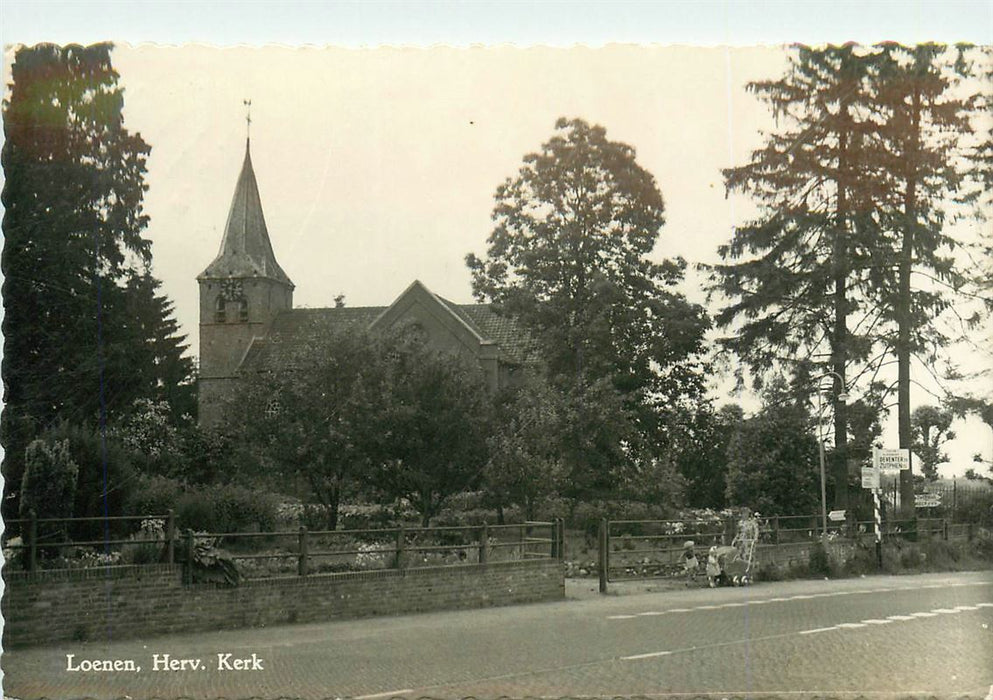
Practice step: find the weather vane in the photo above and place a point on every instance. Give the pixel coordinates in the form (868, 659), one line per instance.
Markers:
(248, 116)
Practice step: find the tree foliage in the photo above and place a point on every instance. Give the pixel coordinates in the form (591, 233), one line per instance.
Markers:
(315, 412)
(573, 257)
(434, 427)
(773, 459)
(85, 331)
(525, 461)
(931, 430)
(49, 482)
(570, 257)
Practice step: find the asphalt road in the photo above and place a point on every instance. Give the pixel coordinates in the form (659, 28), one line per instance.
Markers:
(902, 636)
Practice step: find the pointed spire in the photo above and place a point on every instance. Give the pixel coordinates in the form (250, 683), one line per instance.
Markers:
(245, 249)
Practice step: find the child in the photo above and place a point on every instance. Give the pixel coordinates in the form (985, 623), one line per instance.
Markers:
(690, 563)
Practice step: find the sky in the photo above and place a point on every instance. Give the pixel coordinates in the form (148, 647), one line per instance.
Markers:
(377, 165)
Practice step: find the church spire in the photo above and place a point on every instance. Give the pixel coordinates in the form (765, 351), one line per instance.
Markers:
(245, 249)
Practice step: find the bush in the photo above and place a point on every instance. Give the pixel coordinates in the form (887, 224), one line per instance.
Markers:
(154, 495)
(49, 480)
(97, 493)
(237, 508)
(195, 511)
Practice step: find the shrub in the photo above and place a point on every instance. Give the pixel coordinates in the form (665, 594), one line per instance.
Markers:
(97, 492)
(154, 495)
(49, 481)
(195, 511)
(238, 508)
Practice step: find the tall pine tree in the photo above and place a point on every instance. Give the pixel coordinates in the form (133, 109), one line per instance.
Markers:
(792, 276)
(924, 127)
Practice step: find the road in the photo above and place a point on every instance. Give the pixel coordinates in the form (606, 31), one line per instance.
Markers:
(929, 635)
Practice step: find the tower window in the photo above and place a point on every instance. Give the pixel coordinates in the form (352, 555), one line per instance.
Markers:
(220, 313)
(243, 311)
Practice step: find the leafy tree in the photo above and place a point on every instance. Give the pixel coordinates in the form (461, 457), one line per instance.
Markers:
(703, 457)
(931, 430)
(82, 323)
(434, 426)
(316, 411)
(525, 455)
(773, 460)
(570, 257)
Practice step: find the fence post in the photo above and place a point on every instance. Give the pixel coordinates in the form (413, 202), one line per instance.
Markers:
(171, 537)
(944, 529)
(603, 551)
(553, 536)
(188, 567)
(400, 543)
(33, 540)
(484, 544)
(302, 559)
(775, 530)
(561, 535)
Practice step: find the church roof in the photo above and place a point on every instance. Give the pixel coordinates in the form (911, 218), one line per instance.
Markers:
(245, 249)
(295, 326)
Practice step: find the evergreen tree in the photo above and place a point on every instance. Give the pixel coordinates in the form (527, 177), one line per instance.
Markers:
(82, 324)
(924, 127)
(792, 277)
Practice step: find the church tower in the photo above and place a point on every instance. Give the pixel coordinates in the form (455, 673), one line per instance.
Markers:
(241, 291)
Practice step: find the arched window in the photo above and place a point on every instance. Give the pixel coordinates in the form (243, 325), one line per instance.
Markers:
(243, 310)
(273, 409)
(220, 314)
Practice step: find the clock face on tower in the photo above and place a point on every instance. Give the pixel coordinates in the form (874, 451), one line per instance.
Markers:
(231, 290)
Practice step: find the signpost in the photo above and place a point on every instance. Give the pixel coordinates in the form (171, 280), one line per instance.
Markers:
(927, 500)
(836, 516)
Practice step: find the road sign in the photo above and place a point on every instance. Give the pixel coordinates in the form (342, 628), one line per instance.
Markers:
(836, 516)
(890, 461)
(927, 500)
(870, 478)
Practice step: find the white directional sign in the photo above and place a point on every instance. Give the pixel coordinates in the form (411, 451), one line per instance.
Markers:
(836, 516)
(927, 500)
(890, 461)
(870, 478)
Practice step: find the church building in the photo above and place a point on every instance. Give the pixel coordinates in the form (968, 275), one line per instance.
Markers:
(246, 305)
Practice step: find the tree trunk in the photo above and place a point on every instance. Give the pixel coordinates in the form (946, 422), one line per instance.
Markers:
(905, 429)
(839, 338)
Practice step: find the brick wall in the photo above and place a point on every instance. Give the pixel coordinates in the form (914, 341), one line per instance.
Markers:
(128, 601)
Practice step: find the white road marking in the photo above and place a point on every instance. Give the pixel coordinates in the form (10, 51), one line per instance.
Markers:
(645, 656)
(384, 695)
(900, 618)
(818, 629)
(809, 596)
(924, 614)
(877, 622)
(852, 625)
